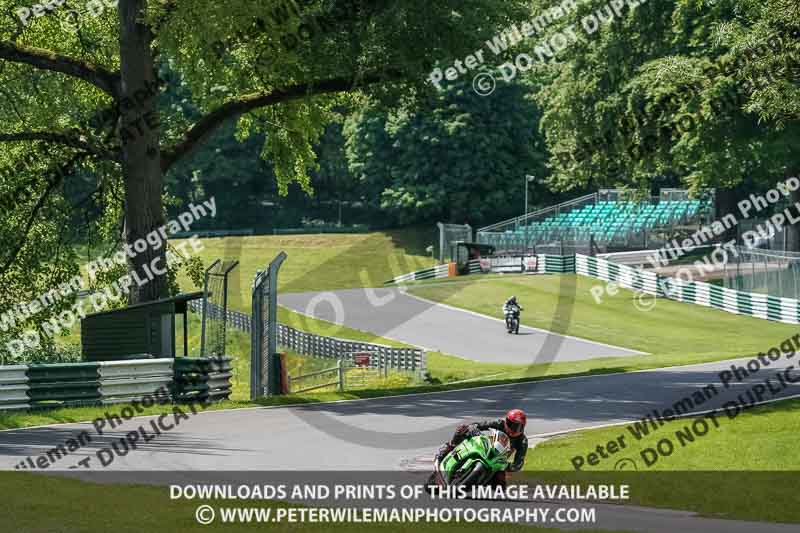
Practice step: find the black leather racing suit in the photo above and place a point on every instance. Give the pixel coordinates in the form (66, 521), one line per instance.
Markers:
(510, 307)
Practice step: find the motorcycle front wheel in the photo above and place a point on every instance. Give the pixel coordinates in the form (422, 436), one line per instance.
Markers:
(476, 476)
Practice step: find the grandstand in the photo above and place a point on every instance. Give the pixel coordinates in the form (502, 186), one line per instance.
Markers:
(605, 219)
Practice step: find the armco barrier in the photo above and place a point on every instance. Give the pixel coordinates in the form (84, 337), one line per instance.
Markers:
(545, 264)
(235, 319)
(122, 381)
(555, 264)
(411, 359)
(319, 346)
(14, 387)
(755, 305)
(107, 382)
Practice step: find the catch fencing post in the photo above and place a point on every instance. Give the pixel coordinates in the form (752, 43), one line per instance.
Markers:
(265, 378)
(340, 372)
(205, 307)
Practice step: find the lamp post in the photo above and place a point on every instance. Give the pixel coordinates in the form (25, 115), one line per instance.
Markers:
(528, 178)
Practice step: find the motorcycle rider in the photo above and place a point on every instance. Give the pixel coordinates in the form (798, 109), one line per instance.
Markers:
(511, 306)
(513, 425)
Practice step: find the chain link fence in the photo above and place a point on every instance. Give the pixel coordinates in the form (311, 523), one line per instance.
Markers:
(449, 234)
(772, 272)
(215, 308)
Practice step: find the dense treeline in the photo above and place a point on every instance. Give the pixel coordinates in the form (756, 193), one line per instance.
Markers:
(453, 156)
(111, 127)
(677, 93)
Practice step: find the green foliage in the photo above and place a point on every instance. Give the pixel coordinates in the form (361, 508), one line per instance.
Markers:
(277, 87)
(457, 156)
(636, 101)
(49, 353)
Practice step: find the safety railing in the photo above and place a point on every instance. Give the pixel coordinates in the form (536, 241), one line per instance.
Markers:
(14, 387)
(108, 382)
(300, 342)
(546, 212)
(331, 347)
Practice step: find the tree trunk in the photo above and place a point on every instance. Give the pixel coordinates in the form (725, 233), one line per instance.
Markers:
(141, 155)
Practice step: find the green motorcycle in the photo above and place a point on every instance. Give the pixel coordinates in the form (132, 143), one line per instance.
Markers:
(475, 461)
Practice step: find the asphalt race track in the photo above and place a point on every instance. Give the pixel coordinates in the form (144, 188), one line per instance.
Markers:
(398, 433)
(385, 433)
(394, 314)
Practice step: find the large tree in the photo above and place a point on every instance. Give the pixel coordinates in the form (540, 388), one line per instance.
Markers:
(86, 100)
(700, 91)
(458, 157)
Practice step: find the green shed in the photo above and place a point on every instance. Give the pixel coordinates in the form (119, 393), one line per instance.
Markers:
(146, 328)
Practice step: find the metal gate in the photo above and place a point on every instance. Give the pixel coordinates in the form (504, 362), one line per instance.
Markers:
(265, 377)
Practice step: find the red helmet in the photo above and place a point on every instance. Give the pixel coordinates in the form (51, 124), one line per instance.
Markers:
(515, 422)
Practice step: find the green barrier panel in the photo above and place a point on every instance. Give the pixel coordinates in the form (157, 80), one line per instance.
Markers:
(82, 390)
(64, 372)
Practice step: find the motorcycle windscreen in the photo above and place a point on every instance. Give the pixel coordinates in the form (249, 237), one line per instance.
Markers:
(501, 443)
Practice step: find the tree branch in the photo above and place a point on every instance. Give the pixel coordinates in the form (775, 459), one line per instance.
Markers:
(206, 126)
(77, 141)
(42, 59)
(51, 186)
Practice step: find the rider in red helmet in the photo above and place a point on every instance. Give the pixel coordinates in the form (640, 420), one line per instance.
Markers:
(513, 425)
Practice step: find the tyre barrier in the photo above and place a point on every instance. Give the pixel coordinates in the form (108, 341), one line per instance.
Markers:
(202, 380)
(109, 382)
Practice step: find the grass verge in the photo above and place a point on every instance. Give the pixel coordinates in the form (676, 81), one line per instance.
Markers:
(671, 332)
(738, 465)
(50, 504)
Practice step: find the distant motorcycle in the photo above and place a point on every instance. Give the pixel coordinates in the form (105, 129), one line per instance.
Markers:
(512, 318)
